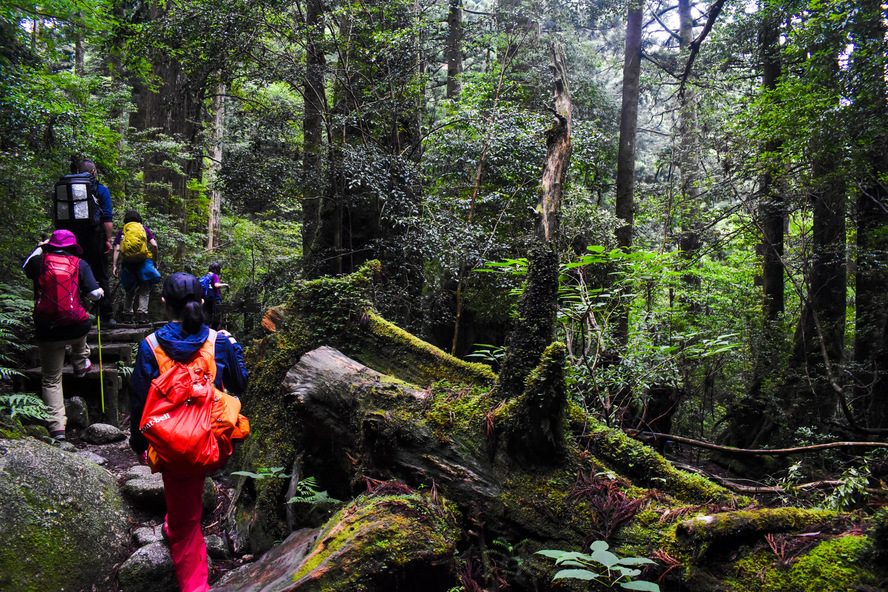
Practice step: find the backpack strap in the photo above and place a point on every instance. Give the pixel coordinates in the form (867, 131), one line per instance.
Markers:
(207, 351)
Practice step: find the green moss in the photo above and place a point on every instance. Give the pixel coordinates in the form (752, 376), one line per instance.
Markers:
(640, 463)
(378, 535)
(744, 522)
(834, 565)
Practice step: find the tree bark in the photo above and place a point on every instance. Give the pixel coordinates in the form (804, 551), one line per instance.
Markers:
(771, 207)
(214, 218)
(453, 52)
(625, 181)
(558, 143)
(870, 128)
(313, 124)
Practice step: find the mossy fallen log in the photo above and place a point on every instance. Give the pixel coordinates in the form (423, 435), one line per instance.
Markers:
(747, 522)
(535, 468)
(378, 542)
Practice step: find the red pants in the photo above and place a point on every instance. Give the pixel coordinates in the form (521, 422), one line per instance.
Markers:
(184, 501)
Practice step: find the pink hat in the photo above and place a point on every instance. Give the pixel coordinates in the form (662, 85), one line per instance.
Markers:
(64, 239)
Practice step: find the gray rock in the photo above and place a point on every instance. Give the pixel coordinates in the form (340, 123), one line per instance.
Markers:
(66, 446)
(136, 471)
(92, 457)
(149, 569)
(77, 413)
(62, 519)
(147, 535)
(146, 492)
(103, 433)
(216, 547)
(210, 496)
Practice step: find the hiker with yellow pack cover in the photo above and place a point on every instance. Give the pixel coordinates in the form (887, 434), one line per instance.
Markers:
(135, 261)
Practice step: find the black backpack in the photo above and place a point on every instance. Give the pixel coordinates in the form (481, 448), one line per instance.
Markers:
(75, 205)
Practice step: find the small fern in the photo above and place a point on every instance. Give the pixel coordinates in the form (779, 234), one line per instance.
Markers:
(24, 405)
(307, 493)
(264, 473)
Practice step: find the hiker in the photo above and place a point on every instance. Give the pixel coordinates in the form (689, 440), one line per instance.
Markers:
(135, 260)
(60, 320)
(181, 339)
(95, 240)
(212, 294)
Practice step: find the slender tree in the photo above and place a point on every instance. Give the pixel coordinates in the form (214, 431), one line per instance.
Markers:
(625, 181)
(314, 94)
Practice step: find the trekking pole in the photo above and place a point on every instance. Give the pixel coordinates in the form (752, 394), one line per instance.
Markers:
(101, 370)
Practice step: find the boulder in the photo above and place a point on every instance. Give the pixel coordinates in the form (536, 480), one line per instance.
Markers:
(103, 433)
(145, 489)
(63, 522)
(147, 535)
(77, 413)
(149, 569)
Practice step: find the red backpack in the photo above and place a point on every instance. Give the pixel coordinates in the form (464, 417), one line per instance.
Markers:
(189, 424)
(58, 292)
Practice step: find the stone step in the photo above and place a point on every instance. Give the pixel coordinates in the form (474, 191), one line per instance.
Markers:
(121, 333)
(111, 353)
(86, 387)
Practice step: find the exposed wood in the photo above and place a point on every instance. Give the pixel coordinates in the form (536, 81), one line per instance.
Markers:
(558, 143)
(215, 165)
(760, 451)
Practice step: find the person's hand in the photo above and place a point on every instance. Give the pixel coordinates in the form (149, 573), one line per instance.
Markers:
(143, 458)
(107, 245)
(114, 270)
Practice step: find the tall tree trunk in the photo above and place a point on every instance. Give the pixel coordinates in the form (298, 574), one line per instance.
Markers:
(690, 241)
(823, 316)
(313, 124)
(625, 191)
(78, 50)
(772, 208)
(454, 50)
(171, 107)
(212, 172)
(771, 214)
(870, 110)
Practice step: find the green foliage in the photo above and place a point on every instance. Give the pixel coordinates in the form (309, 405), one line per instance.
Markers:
(24, 405)
(851, 490)
(617, 571)
(306, 490)
(264, 473)
(307, 493)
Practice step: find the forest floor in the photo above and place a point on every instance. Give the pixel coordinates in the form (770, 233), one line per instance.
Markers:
(120, 458)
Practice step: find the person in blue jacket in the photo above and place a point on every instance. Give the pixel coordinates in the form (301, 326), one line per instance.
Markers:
(181, 338)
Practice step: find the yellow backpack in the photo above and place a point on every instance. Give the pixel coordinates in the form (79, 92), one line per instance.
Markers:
(134, 245)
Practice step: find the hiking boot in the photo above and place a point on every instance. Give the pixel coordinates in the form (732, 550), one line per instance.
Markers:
(143, 318)
(81, 373)
(127, 318)
(57, 435)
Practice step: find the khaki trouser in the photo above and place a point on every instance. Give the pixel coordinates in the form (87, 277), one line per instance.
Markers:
(143, 289)
(52, 359)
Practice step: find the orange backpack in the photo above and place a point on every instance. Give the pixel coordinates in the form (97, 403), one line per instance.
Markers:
(190, 425)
